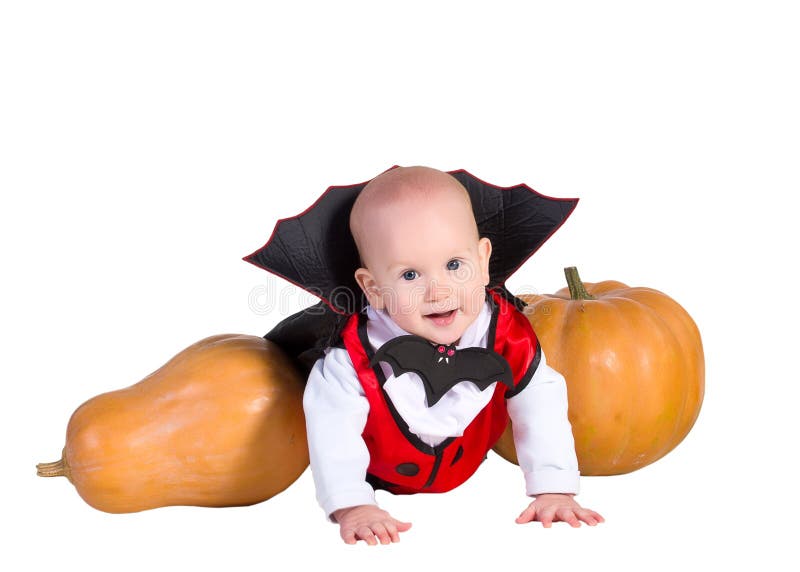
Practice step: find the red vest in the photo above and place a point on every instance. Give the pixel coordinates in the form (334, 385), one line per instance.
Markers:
(399, 461)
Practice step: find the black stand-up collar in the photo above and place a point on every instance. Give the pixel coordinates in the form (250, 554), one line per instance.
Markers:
(316, 251)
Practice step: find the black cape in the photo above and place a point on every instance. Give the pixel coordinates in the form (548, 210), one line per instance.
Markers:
(316, 251)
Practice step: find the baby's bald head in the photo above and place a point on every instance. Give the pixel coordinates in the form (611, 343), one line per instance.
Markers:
(405, 190)
(423, 261)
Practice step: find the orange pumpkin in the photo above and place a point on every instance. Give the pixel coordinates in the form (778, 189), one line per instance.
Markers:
(220, 424)
(634, 366)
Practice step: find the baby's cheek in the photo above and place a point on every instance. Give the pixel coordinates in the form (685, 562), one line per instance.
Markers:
(477, 298)
(403, 301)
(466, 273)
(411, 297)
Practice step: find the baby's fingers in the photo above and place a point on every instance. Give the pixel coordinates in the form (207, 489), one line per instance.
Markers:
(590, 517)
(391, 529)
(527, 515)
(365, 533)
(349, 536)
(568, 515)
(380, 531)
(400, 525)
(546, 516)
(394, 527)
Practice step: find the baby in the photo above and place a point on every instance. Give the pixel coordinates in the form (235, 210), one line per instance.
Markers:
(424, 272)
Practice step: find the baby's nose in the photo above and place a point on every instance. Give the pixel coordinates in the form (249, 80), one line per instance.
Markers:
(438, 290)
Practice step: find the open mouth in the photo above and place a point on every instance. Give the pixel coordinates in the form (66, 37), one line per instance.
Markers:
(442, 318)
(440, 314)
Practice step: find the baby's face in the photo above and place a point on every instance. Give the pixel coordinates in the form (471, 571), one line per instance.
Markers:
(426, 267)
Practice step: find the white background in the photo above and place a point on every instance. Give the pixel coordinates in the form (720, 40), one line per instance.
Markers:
(146, 147)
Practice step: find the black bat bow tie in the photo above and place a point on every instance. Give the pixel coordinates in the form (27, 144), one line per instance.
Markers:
(441, 366)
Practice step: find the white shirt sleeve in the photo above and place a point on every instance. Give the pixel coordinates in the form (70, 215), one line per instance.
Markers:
(543, 435)
(336, 412)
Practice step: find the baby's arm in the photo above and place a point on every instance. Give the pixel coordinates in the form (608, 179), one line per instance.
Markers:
(546, 450)
(336, 412)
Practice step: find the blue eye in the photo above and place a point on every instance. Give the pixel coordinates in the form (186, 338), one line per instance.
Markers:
(454, 264)
(409, 274)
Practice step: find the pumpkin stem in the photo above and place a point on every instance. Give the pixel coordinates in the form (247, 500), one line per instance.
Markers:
(577, 291)
(58, 468)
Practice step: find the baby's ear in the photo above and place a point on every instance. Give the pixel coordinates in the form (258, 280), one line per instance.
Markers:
(484, 254)
(368, 285)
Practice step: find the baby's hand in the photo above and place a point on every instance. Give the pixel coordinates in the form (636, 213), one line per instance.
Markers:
(548, 508)
(365, 522)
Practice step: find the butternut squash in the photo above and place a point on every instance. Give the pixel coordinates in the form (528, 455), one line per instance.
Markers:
(220, 424)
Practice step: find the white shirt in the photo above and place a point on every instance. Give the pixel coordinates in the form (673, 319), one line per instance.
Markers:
(336, 411)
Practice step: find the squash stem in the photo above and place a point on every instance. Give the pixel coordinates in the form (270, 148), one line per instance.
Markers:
(58, 468)
(577, 291)
(50, 469)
